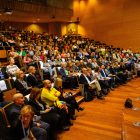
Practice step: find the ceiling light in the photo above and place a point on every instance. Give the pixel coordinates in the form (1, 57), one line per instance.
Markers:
(38, 19)
(33, 21)
(71, 21)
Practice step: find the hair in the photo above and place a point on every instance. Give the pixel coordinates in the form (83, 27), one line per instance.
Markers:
(76, 61)
(56, 82)
(11, 58)
(34, 92)
(97, 69)
(31, 68)
(18, 73)
(93, 59)
(44, 58)
(88, 69)
(26, 109)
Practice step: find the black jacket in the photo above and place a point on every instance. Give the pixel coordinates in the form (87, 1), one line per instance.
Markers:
(33, 81)
(36, 107)
(90, 66)
(19, 86)
(5, 74)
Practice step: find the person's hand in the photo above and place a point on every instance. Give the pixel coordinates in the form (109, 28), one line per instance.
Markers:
(47, 110)
(64, 95)
(88, 74)
(34, 139)
(90, 86)
(38, 125)
(55, 95)
(29, 87)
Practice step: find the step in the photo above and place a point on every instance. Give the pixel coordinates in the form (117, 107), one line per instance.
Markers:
(79, 99)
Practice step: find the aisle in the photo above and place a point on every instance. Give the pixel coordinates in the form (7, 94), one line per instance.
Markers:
(102, 119)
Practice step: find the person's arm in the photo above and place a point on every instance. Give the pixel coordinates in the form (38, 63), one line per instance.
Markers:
(31, 136)
(41, 65)
(49, 96)
(24, 60)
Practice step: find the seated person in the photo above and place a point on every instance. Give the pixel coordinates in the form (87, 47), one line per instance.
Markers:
(13, 53)
(36, 57)
(49, 95)
(63, 54)
(137, 67)
(32, 79)
(120, 75)
(21, 127)
(22, 85)
(82, 65)
(99, 62)
(52, 62)
(125, 71)
(76, 66)
(94, 63)
(42, 55)
(58, 61)
(38, 128)
(28, 60)
(11, 69)
(105, 76)
(46, 67)
(30, 50)
(3, 73)
(66, 76)
(47, 114)
(85, 79)
(67, 98)
(21, 52)
(78, 56)
(89, 64)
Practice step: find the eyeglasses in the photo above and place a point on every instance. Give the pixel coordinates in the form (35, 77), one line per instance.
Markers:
(26, 116)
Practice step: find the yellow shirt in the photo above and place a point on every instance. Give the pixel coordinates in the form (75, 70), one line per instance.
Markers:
(48, 97)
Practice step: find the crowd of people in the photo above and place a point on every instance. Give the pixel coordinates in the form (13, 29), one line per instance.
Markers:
(78, 60)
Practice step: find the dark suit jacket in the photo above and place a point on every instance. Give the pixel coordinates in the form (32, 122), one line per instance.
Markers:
(36, 107)
(62, 72)
(112, 70)
(33, 81)
(102, 73)
(19, 86)
(6, 75)
(84, 81)
(78, 58)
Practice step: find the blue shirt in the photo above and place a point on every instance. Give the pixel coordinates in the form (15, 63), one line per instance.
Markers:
(1, 76)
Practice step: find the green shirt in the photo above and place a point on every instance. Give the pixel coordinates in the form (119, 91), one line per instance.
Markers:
(66, 72)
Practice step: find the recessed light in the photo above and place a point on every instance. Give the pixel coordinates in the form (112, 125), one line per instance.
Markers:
(71, 21)
(33, 21)
(38, 19)
(0, 14)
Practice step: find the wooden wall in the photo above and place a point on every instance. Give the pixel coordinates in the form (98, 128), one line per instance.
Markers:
(115, 22)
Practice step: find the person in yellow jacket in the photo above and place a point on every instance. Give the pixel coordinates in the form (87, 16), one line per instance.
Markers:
(49, 95)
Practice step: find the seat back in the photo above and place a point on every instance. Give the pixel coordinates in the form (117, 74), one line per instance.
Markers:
(6, 112)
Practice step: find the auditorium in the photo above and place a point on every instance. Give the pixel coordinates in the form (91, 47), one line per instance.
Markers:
(69, 70)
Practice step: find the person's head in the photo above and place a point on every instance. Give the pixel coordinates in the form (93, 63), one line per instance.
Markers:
(71, 55)
(11, 60)
(89, 60)
(18, 99)
(78, 54)
(28, 54)
(77, 63)
(19, 75)
(63, 64)
(12, 49)
(89, 70)
(44, 59)
(84, 50)
(99, 60)
(35, 93)
(111, 64)
(26, 114)
(31, 69)
(97, 69)
(81, 62)
(52, 58)
(84, 71)
(107, 67)
(58, 83)
(122, 64)
(93, 60)
(116, 63)
(21, 49)
(137, 61)
(47, 84)
(70, 64)
(42, 53)
(102, 66)
(35, 52)
(115, 52)
(57, 57)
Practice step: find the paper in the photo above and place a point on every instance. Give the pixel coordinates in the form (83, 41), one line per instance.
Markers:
(93, 82)
(3, 85)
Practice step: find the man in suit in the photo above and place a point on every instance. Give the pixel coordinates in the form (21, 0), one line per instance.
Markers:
(39, 129)
(32, 79)
(86, 80)
(66, 76)
(78, 56)
(3, 73)
(104, 75)
(89, 64)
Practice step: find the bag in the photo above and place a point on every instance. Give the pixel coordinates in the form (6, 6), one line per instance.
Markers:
(128, 103)
(104, 91)
(88, 96)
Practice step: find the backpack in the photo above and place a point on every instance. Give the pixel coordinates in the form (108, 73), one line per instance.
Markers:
(88, 96)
